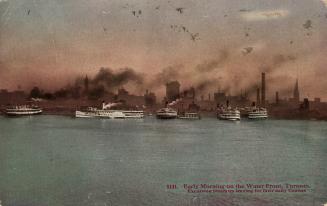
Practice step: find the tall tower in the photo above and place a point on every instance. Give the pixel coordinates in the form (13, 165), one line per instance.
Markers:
(263, 89)
(172, 90)
(296, 93)
(258, 97)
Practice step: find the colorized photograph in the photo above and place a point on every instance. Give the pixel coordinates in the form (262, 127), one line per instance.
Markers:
(163, 102)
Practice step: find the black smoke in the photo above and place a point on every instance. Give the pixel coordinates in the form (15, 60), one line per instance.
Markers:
(209, 66)
(113, 80)
(167, 74)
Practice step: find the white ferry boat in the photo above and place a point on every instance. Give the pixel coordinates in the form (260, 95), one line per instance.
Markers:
(258, 113)
(166, 113)
(99, 113)
(230, 114)
(189, 115)
(106, 112)
(23, 110)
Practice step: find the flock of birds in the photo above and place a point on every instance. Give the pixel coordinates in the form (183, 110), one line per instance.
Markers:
(181, 28)
(176, 28)
(196, 36)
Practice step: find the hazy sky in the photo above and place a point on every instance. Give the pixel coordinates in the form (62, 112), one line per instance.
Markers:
(49, 42)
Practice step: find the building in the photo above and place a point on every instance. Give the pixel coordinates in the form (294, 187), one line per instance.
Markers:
(172, 91)
(220, 97)
(240, 100)
(305, 105)
(14, 97)
(189, 93)
(150, 99)
(130, 99)
(317, 104)
(258, 96)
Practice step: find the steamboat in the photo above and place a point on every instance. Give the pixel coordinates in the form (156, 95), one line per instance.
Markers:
(107, 112)
(229, 114)
(166, 113)
(23, 110)
(257, 113)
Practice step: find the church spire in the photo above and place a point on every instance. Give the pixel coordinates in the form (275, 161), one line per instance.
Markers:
(296, 93)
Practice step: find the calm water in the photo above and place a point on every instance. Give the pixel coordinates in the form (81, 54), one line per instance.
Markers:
(55, 160)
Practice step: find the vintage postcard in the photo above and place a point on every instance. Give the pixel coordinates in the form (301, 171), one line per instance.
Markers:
(163, 102)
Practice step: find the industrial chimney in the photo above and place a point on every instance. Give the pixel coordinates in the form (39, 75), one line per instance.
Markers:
(277, 98)
(258, 96)
(263, 89)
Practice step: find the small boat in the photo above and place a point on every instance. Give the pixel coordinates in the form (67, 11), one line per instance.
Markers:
(166, 113)
(258, 113)
(230, 114)
(23, 110)
(189, 115)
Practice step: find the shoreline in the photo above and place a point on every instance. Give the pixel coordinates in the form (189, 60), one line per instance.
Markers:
(71, 114)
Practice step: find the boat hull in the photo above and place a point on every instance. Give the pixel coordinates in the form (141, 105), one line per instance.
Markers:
(166, 113)
(80, 114)
(190, 116)
(23, 113)
(166, 116)
(258, 117)
(230, 118)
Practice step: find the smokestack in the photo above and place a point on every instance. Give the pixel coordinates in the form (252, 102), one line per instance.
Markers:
(258, 96)
(263, 89)
(277, 98)
(103, 104)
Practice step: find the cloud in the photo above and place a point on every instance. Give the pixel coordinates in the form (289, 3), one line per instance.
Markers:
(325, 2)
(265, 15)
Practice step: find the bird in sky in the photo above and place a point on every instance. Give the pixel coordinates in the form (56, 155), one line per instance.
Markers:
(307, 24)
(180, 10)
(194, 37)
(247, 50)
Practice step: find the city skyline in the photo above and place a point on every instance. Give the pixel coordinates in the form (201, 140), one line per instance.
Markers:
(89, 87)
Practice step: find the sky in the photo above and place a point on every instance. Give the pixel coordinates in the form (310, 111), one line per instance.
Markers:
(208, 44)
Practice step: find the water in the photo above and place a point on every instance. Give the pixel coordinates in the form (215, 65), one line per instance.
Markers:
(56, 160)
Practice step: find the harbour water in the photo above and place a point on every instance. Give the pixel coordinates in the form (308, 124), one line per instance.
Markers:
(58, 160)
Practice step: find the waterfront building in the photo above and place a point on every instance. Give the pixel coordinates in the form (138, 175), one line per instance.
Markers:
(150, 99)
(172, 91)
